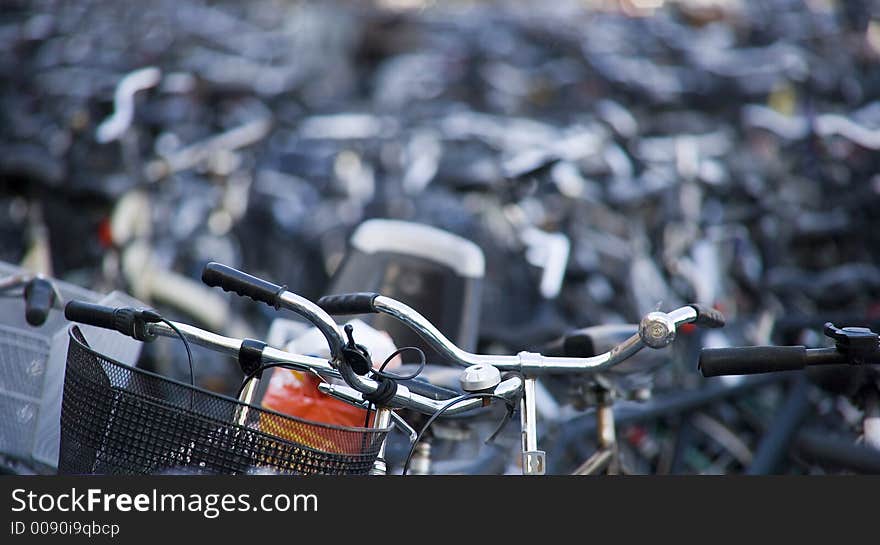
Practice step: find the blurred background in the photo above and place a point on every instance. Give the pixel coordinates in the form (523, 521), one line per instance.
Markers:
(608, 157)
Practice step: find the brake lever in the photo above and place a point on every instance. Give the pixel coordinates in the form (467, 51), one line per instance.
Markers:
(857, 343)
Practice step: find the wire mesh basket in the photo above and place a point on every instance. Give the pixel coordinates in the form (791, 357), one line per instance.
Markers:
(117, 419)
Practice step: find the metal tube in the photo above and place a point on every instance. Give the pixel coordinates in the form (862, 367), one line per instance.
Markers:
(528, 416)
(532, 458)
(327, 326)
(317, 316)
(381, 421)
(432, 335)
(508, 389)
(404, 398)
(231, 346)
(538, 363)
(524, 362)
(605, 425)
(194, 335)
(246, 397)
(300, 362)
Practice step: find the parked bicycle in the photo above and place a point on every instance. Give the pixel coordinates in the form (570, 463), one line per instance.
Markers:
(848, 369)
(118, 419)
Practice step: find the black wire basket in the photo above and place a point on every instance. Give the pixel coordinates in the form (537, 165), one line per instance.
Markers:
(117, 419)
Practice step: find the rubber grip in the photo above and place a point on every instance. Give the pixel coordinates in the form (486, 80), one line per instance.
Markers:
(348, 303)
(708, 316)
(91, 314)
(39, 297)
(226, 278)
(750, 360)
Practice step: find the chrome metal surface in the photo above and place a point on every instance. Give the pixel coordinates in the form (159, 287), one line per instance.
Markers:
(533, 460)
(599, 461)
(246, 397)
(529, 363)
(427, 331)
(508, 389)
(404, 425)
(421, 460)
(231, 346)
(477, 378)
(403, 398)
(657, 329)
(381, 421)
(317, 316)
(605, 425)
(194, 335)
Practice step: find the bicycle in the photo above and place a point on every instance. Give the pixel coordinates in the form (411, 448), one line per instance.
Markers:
(848, 368)
(120, 419)
(482, 371)
(117, 418)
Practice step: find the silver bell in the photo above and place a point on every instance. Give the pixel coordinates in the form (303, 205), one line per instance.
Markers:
(478, 378)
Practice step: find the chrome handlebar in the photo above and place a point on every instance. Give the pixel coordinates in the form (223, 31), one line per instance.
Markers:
(656, 330)
(403, 398)
(508, 389)
(318, 317)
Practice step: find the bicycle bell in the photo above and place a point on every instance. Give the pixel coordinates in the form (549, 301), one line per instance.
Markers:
(479, 378)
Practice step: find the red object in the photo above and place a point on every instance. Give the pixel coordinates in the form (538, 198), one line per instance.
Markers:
(636, 434)
(296, 394)
(687, 329)
(105, 233)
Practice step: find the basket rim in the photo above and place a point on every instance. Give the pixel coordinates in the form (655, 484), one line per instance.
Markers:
(225, 398)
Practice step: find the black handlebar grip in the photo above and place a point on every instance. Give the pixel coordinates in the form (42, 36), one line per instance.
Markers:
(750, 360)
(39, 297)
(708, 316)
(226, 278)
(91, 314)
(348, 303)
(126, 320)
